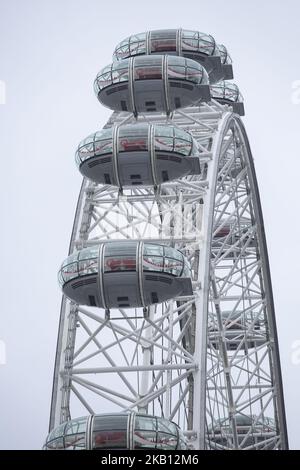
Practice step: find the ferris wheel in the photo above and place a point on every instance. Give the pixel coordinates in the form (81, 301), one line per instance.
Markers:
(167, 336)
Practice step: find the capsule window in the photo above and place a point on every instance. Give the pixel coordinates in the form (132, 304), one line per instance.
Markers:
(75, 442)
(163, 45)
(106, 70)
(225, 57)
(123, 249)
(88, 140)
(166, 426)
(122, 52)
(224, 90)
(217, 91)
(190, 44)
(173, 266)
(231, 93)
(96, 144)
(194, 74)
(144, 439)
(176, 72)
(138, 37)
(190, 40)
(103, 146)
(123, 49)
(187, 34)
(133, 130)
(153, 263)
(163, 34)
(110, 432)
(166, 131)
(120, 263)
(163, 41)
(86, 151)
(137, 44)
(137, 48)
(182, 441)
(133, 143)
(164, 143)
(88, 253)
(104, 80)
(57, 432)
(173, 253)
(176, 60)
(146, 423)
(124, 43)
(182, 146)
(144, 61)
(120, 72)
(71, 258)
(180, 134)
(60, 279)
(186, 270)
(56, 444)
(75, 433)
(70, 272)
(107, 439)
(154, 433)
(206, 44)
(183, 142)
(148, 72)
(113, 422)
(156, 250)
(88, 261)
(77, 158)
(166, 441)
(228, 59)
(89, 266)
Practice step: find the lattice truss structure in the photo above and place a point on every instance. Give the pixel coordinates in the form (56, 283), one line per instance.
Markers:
(209, 361)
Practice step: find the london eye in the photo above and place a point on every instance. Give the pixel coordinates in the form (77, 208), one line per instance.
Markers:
(167, 334)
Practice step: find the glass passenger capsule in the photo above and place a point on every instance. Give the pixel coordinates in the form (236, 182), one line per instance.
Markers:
(229, 235)
(138, 154)
(226, 62)
(124, 274)
(152, 83)
(240, 329)
(181, 42)
(251, 431)
(228, 93)
(116, 431)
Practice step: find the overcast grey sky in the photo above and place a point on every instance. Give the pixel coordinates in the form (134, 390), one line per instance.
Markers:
(50, 52)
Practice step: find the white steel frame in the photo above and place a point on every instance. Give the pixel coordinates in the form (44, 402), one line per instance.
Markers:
(176, 359)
